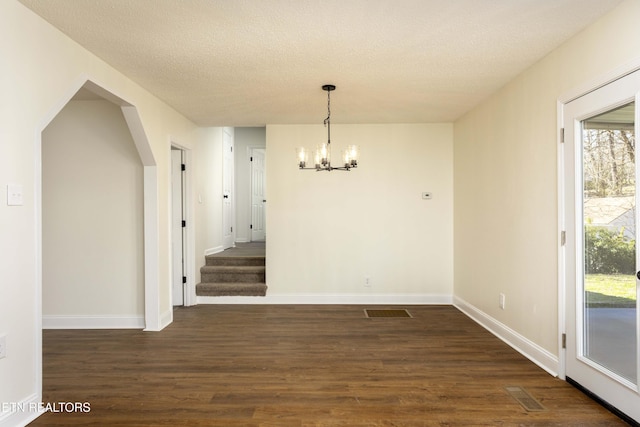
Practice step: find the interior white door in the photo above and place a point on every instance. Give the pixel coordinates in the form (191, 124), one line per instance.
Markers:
(258, 195)
(177, 230)
(228, 236)
(600, 171)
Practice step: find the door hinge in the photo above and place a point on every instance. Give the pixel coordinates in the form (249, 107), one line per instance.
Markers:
(184, 223)
(183, 167)
(232, 229)
(562, 135)
(251, 226)
(563, 238)
(564, 340)
(184, 279)
(251, 159)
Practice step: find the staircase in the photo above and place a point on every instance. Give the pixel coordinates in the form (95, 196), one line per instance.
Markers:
(231, 273)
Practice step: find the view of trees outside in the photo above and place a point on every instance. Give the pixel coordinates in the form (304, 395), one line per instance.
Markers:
(609, 178)
(609, 162)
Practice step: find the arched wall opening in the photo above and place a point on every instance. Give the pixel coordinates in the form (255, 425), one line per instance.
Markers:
(108, 192)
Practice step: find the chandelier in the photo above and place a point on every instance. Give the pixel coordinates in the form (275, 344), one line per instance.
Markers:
(322, 159)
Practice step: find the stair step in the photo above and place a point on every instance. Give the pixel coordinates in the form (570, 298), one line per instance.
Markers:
(231, 289)
(230, 274)
(211, 260)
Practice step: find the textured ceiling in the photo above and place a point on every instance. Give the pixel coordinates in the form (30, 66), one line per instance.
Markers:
(257, 62)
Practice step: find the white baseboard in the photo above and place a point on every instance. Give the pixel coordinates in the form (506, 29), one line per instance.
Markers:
(242, 240)
(521, 344)
(92, 322)
(20, 414)
(332, 299)
(212, 251)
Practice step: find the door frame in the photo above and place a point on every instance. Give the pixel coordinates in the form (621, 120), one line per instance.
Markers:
(228, 172)
(178, 257)
(605, 386)
(592, 85)
(189, 269)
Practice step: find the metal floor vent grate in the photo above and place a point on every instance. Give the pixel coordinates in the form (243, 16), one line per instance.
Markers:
(387, 313)
(527, 401)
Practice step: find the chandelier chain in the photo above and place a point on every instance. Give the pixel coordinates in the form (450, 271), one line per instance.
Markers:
(328, 119)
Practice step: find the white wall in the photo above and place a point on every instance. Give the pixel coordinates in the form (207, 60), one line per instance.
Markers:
(208, 188)
(330, 230)
(505, 162)
(92, 220)
(42, 69)
(245, 138)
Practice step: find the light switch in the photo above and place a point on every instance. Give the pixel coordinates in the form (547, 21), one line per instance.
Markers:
(14, 195)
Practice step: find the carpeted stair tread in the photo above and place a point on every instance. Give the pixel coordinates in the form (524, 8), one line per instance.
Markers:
(231, 289)
(225, 274)
(211, 260)
(232, 269)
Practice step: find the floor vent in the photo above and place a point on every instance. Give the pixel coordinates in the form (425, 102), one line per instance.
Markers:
(527, 401)
(387, 313)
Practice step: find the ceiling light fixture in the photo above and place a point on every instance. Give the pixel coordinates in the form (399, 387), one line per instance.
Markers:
(323, 152)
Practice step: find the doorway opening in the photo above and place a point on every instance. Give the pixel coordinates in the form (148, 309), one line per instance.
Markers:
(144, 265)
(92, 218)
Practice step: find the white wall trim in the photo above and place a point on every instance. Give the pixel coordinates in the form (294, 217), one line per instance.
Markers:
(93, 322)
(166, 318)
(21, 413)
(242, 240)
(521, 344)
(213, 251)
(562, 285)
(407, 299)
(603, 80)
(152, 250)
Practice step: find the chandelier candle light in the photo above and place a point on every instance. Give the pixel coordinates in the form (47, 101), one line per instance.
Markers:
(323, 152)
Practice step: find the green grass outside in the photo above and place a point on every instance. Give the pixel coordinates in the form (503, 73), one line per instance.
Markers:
(612, 290)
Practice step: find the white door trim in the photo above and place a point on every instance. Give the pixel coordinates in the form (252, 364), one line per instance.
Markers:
(608, 77)
(189, 232)
(228, 189)
(615, 389)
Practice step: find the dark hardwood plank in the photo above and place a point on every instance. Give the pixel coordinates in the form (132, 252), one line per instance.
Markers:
(260, 365)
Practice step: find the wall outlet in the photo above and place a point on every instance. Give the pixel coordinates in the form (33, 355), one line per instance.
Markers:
(367, 282)
(502, 301)
(3, 346)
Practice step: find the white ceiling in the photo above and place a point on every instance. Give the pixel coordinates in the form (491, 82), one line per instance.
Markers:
(257, 62)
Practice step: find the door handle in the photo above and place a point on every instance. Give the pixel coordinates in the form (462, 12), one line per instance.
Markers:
(226, 196)
(638, 275)
(264, 201)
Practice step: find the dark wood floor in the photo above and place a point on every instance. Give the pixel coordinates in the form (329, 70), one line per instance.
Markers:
(260, 365)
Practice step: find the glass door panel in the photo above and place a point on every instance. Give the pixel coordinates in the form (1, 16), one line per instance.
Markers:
(609, 233)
